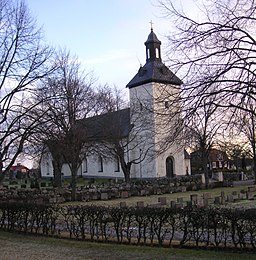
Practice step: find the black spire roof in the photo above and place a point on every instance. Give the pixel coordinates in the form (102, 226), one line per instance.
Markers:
(154, 70)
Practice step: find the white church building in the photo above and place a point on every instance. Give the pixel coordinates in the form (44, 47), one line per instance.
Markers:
(143, 127)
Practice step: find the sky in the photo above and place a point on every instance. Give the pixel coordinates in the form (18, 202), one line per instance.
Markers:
(107, 36)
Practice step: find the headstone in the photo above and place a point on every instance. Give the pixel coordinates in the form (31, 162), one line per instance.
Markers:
(180, 200)
(249, 195)
(207, 195)
(162, 200)
(217, 200)
(252, 188)
(122, 204)
(235, 195)
(124, 194)
(140, 204)
(104, 196)
(194, 198)
(189, 204)
(173, 204)
(230, 198)
(206, 202)
(200, 202)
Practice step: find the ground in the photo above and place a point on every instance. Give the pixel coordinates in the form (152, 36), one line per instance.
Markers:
(17, 246)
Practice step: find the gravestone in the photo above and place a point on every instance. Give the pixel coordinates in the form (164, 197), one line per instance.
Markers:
(140, 204)
(230, 198)
(218, 200)
(249, 195)
(173, 204)
(124, 194)
(122, 204)
(104, 196)
(162, 200)
(193, 199)
(252, 188)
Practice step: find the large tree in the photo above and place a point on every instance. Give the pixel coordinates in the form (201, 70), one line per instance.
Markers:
(65, 97)
(202, 132)
(23, 62)
(215, 51)
(213, 48)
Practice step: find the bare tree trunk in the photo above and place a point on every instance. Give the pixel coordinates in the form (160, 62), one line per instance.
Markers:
(205, 169)
(254, 161)
(126, 167)
(57, 174)
(73, 180)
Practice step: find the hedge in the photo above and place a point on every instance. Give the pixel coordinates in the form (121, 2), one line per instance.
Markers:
(209, 227)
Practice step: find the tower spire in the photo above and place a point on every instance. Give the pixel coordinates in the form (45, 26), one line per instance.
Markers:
(153, 50)
(151, 25)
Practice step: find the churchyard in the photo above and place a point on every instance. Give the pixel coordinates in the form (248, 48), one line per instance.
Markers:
(159, 212)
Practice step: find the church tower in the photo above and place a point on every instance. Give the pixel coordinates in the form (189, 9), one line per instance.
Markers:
(151, 91)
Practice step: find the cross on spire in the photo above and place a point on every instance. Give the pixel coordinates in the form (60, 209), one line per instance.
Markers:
(151, 23)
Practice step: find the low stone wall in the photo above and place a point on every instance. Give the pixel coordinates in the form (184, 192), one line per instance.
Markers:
(104, 191)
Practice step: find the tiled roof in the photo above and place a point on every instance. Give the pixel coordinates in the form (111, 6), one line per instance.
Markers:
(110, 125)
(154, 71)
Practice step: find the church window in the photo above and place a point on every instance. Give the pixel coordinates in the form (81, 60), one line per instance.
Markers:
(84, 165)
(148, 54)
(48, 168)
(117, 165)
(100, 164)
(157, 53)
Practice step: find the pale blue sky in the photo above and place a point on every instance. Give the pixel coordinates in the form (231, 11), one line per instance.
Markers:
(107, 35)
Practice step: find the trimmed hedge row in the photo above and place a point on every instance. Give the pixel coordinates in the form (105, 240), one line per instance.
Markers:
(217, 227)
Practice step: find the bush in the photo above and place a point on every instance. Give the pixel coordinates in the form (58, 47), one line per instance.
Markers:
(219, 227)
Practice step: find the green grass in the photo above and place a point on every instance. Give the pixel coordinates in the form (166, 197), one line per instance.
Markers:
(18, 246)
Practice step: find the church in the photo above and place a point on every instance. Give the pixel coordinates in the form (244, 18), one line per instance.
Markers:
(134, 138)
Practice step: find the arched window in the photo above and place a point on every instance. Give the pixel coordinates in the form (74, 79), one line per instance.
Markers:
(84, 165)
(117, 165)
(157, 53)
(170, 167)
(100, 164)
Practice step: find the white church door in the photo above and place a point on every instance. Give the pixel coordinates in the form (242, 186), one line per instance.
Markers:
(169, 167)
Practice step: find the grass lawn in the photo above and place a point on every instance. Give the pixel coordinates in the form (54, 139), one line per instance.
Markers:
(153, 199)
(17, 246)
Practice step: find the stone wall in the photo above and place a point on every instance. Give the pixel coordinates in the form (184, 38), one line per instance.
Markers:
(102, 192)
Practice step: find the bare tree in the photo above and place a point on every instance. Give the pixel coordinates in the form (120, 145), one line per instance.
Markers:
(203, 131)
(215, 51)
(66, 96)
(23, 62)
(244, 123)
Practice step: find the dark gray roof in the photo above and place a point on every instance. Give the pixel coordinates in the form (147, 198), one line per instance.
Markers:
(152, 38)
(106, 126)
(154, 71)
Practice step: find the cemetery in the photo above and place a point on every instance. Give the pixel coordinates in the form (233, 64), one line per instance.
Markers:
(163, 213)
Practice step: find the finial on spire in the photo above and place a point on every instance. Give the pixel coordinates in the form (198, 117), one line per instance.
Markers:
(151, 23)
